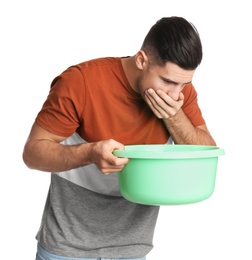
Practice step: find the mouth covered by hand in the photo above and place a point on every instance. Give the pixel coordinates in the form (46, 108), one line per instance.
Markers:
(163, 105)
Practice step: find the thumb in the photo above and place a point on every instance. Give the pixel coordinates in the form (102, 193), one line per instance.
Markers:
(181, 98)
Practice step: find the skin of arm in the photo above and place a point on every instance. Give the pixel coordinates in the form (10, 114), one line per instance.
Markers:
(43, 151)
(177, 123)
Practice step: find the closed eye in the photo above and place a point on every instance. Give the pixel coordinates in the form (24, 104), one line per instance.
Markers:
(173, 82)
(168, 81)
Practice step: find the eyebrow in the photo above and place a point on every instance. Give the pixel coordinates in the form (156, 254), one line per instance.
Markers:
(173, 82)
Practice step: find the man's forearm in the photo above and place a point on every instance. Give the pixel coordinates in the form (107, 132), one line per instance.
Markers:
(46, 155)
(183, 131)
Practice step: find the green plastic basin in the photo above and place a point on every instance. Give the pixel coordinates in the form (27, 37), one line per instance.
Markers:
(168, 174)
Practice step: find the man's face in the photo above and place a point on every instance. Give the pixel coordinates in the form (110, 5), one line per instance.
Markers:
(169, 78)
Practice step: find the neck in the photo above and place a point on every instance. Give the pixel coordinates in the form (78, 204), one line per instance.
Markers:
(131, 71)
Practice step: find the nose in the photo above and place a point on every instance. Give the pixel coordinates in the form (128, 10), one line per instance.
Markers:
(174, 92)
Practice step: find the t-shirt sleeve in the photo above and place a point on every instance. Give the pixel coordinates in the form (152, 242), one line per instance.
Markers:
(191, 107)
(60, 113)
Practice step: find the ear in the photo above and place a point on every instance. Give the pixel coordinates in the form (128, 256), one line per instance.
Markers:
(141, 60)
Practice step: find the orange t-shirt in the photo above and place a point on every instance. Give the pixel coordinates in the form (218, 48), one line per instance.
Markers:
(95, 100)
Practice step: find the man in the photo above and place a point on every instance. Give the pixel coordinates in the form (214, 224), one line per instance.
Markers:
(96, 107)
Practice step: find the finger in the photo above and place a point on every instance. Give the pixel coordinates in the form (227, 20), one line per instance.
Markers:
(173, 105)
(115, 167)
(114, 161)
(181, 97)
(157, 104)
(151, 103)
(165, 97)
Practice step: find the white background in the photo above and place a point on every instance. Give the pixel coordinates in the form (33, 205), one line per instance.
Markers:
(39, 39)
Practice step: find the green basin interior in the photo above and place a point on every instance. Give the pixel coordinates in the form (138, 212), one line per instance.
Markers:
(168, 174)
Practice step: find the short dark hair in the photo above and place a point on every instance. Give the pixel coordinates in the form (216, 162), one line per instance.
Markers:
(176, 40)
